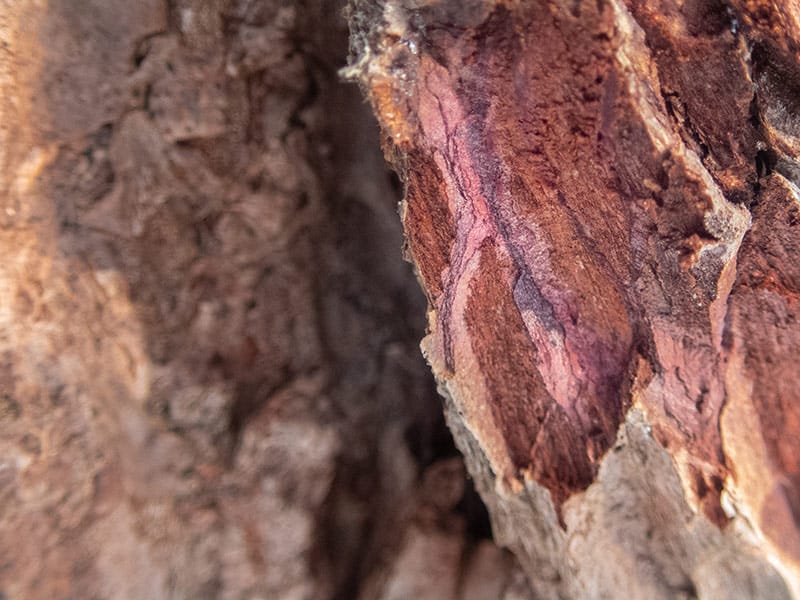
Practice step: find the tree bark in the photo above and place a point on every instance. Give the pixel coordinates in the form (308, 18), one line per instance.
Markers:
(210, 385)
(601, 203)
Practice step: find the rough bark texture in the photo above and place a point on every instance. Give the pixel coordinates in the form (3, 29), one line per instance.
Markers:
(210, 383)
(601, 201)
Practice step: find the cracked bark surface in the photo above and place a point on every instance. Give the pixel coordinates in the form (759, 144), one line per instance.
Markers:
(210, 383)
(601, 204)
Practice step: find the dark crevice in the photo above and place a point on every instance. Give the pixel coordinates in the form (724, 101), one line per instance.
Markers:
(143, 47)
(684, 123)
(471, 506)
(765, 163)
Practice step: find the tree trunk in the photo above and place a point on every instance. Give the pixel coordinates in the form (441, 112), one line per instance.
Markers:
(210, 385)
(601, 202)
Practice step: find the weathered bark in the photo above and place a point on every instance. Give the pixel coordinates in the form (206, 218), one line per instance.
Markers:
(210, 383)
(601, 201)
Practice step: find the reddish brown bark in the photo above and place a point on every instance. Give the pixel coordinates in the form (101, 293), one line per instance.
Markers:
(601, 202)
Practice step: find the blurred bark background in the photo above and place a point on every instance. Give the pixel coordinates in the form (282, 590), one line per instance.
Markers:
(210, 376)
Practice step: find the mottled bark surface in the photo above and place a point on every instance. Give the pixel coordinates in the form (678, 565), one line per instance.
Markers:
(210, 382)
(602, 205)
